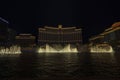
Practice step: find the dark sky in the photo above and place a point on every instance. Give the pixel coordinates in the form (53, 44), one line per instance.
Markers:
(93, 16)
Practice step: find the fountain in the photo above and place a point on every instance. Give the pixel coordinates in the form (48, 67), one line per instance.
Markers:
(11, 50)
(101, 49)
(57, 48)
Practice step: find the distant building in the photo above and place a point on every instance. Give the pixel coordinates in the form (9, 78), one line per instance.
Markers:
(96, 39)
(59, 39)
(3, 32)
(25, 40)
(59, 35)
(110, 36)
(7, 35)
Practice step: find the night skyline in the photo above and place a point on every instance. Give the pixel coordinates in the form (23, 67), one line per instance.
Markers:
(92, 16)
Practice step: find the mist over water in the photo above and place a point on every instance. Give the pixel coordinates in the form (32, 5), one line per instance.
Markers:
(45, 65)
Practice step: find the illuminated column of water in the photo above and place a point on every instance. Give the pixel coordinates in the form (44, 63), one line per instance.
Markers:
(10, 50)
(74, 50)
(53, 50)
(68, 48)
(47, 48)
(57, 49)
(96, 49)
(64, 49)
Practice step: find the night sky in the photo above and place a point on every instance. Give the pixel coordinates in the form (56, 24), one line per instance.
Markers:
(93, 16)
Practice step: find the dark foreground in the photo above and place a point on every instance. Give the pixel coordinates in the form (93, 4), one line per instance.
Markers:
(83, 66)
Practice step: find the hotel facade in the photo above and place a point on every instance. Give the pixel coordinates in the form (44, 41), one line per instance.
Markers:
(59, 35)
(110, 36)
(25, 40)
(59, 39)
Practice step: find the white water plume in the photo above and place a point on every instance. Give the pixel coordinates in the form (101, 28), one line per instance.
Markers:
(11, 50)
(102, 49)
(57, 49)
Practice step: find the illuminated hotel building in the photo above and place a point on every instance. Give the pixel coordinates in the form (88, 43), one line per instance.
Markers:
(60, 38)
(97, 39)
(110, 36)
(25, 40)
(59, 35)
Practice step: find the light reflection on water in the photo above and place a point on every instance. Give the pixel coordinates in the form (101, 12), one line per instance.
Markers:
(59, 65)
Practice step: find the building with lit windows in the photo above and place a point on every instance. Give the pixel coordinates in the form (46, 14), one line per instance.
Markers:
(110, 36)
(97, 39)
(25, 40)
(59, 38)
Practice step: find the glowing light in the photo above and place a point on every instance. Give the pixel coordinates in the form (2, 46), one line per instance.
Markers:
(103, 49)
(11, 50)
(57, 49)
(4, 20)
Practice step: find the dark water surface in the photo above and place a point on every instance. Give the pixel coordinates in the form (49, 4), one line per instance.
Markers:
(81, 66)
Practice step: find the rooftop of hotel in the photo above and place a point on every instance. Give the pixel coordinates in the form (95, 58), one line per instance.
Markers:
(116, 24)
(96, 37)
(25, 34)
(60, 27)
(114, 27)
